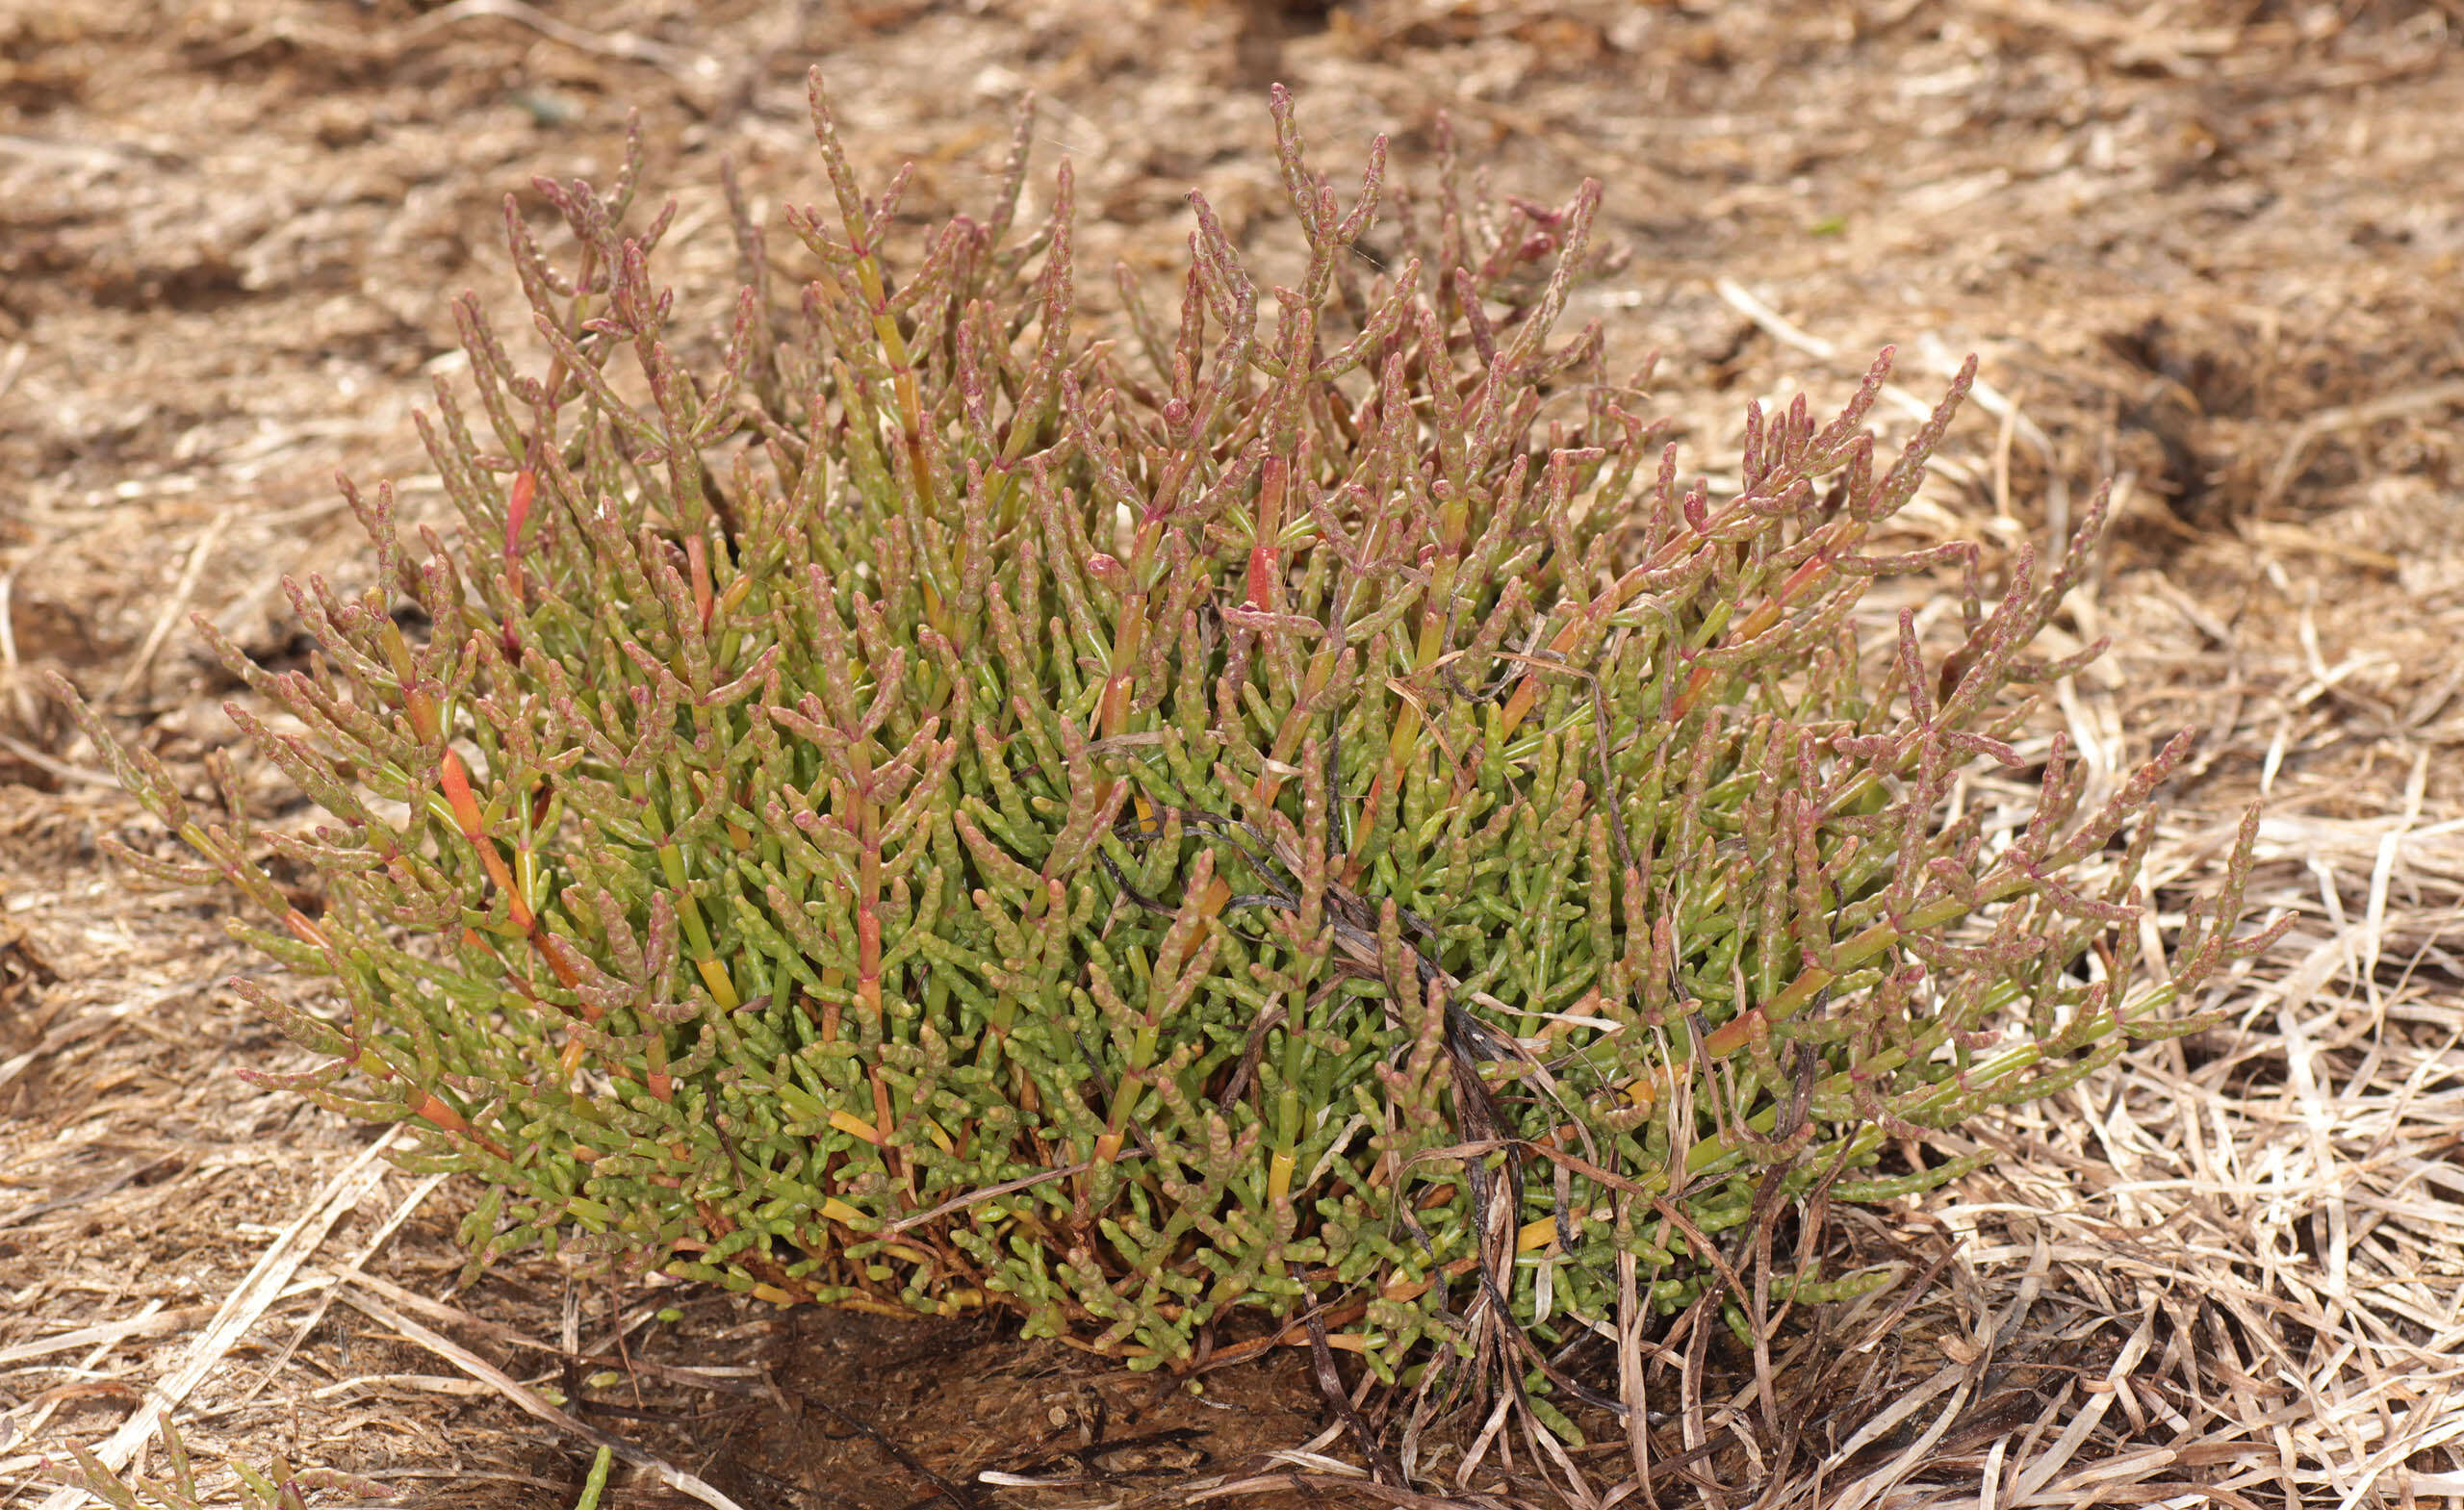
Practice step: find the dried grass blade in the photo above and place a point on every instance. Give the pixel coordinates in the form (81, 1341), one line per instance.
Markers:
(239, 1310)
(532, 1402)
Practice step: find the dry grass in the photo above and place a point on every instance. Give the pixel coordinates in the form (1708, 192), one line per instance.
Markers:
(2209, 247)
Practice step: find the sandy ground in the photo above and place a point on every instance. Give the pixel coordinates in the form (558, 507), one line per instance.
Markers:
(2209, 248)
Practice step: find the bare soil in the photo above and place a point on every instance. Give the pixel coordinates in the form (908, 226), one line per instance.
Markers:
(2208, 248)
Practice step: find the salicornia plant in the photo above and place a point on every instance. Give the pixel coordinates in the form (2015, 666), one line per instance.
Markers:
(1293, 808)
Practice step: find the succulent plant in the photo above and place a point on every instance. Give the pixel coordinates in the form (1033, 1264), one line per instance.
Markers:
(1302, 814)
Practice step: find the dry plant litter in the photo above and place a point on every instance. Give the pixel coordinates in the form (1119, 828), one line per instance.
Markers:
(2299, 1381)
